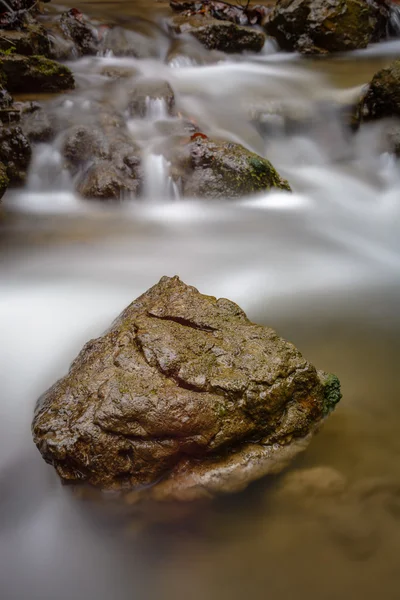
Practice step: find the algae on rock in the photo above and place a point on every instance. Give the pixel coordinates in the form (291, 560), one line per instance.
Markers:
(26, 74)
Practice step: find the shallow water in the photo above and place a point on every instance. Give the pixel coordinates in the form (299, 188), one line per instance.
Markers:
(320, 265)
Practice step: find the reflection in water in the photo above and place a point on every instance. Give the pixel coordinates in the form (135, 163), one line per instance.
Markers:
(320, 265)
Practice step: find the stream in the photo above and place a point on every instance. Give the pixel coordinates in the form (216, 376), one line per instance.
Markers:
(320, 265)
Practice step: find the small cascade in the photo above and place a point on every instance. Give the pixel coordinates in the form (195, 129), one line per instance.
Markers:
(156, 109)
(394, 20)
(47, 171)
(158, 182)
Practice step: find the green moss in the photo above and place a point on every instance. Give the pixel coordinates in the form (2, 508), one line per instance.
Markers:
(9, 51)
(48, 67)
(332, 393)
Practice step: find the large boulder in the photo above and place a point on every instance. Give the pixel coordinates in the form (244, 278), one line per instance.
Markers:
(215, 169)
(25, 74)
(219, 35)
(321, 26)
(183, 394)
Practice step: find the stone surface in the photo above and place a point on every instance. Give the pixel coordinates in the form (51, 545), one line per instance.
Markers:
(83, 35)
(321, 26)
(219, 35)
(382, 99)
(32, 40)
(104, 155)
(15, 153)
(38, 124)
(34, 74)
(183, 394)
(217, 169)
(103, 181)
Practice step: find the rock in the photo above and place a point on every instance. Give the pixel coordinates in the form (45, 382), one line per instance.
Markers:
(82, 144)
(149, 96)
(17, 13)
(321, 26)
(217, 169)
(38, 125)
(29, 41)
(4, 180)
(183, 394)
(124, 42)
(15, 153)
(34, 74)
(117, 72)
(83, 35)
(382, 98)
(103, 181)
(105, 155)
(219, 35)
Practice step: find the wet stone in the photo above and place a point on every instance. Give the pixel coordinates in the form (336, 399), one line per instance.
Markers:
(215, 169)
(219, 35)
(183, 394)
(15, 153)
(25, 74)
(322, 26)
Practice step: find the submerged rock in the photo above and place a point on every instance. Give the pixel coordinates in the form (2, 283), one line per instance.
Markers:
(217, 169)
(103, 181)
(25, 74)
(38, 124)
(149, 96)
(15, 153)
(125, 42)
(219, 35)
(320, 26)
(183, 394)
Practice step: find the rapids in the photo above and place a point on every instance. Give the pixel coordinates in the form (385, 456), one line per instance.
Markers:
(320, 265)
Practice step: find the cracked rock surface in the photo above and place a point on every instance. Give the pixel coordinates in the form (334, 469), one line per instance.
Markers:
(183, 397)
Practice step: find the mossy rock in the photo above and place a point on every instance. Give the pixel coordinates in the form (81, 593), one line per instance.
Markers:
(219, 35)
(30, 41)
(220, 169)
(322, 26)
(26, 74)
(4, 180)
(382, 99)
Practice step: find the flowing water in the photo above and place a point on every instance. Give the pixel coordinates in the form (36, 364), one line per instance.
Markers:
(320, 265)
